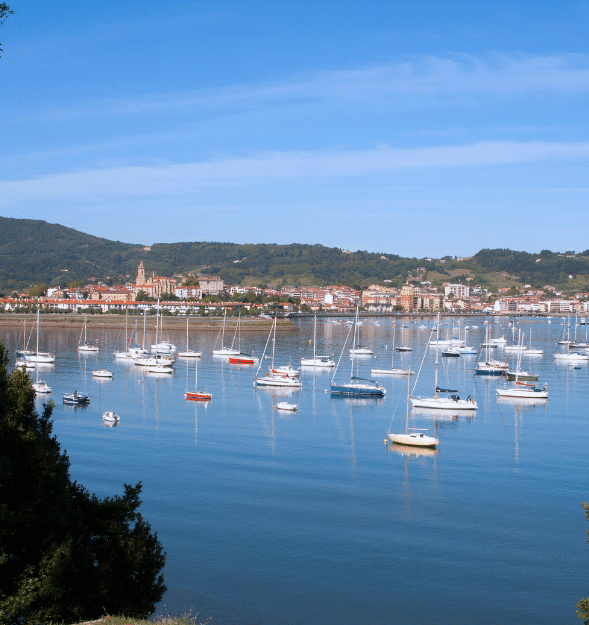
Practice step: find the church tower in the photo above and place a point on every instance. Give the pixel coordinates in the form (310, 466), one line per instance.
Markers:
(141, 274)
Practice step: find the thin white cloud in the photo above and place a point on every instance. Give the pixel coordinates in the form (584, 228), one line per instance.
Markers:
(459, 75)
(181, 178)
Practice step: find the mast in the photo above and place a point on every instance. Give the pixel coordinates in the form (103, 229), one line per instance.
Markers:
(274, 342)
(223, 335)
(407, 419)
(437, 341)
(37, 331)
(314, 336)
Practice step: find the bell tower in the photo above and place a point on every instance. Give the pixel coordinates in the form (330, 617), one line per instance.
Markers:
(141, 274)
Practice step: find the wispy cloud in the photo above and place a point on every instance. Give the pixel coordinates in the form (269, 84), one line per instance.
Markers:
(460, 75)
(182, 178)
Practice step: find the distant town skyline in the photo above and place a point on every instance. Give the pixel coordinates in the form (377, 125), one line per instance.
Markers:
(420, 129)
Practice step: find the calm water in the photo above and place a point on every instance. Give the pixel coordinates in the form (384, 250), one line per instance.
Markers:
(273, 518)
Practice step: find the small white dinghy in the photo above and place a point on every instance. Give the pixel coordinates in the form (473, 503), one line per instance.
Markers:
(102, 373)
(110, 417)
(284, 405)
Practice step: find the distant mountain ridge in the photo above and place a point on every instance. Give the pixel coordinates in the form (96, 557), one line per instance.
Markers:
(35, 251)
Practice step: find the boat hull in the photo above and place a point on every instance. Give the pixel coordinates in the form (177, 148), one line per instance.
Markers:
(414, 440)
(444, 403)
(198, 396)
(282, 381)
(390, 372)
(357, 390)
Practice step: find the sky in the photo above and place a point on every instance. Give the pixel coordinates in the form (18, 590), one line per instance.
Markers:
(422, 128)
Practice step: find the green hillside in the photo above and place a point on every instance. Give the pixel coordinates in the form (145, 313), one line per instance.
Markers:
(34, 252)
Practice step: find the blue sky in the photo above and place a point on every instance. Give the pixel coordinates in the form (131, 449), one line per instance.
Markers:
(415, 128)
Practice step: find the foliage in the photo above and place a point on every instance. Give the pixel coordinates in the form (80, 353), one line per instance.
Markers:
(4, 11)
(583, 605)
(65, 555)
(36, 252)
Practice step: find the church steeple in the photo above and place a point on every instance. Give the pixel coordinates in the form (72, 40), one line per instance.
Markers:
(141, 274)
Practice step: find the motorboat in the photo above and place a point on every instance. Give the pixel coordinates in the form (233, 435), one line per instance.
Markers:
(159, 369)
(450, 353)
(102, 373)
(286, 370)
(242, 359)
(76, 398)
(110, 417)
(41, 388)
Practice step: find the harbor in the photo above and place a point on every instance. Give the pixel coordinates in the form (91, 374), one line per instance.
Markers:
(283, 516)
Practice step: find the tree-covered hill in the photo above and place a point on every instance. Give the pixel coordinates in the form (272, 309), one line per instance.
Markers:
(35, 252)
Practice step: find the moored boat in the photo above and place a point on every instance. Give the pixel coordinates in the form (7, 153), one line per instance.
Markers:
(76, 398)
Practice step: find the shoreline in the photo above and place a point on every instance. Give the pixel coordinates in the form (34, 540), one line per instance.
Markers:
(204, 324)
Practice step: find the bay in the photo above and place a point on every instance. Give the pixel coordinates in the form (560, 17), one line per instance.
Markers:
(283, 518)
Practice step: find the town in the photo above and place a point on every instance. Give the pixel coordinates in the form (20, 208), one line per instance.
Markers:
(209, 295)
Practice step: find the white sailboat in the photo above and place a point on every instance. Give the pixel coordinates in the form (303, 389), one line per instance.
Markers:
(271, 378)
(225, 351)
(415, 437)
(40, 357)
(357, 349)
(392, 370)
(452, 402)
(189, 353)
(522, 390)
(317, 361)
(85, 346)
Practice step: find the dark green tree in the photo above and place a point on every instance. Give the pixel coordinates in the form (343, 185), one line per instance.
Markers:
(4, 11)
(65, 555)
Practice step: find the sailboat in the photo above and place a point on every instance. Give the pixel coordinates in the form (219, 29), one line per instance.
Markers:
(25, 351)
(85, 347)
(356, 387)
(357, 349)
(272, 378)
(40, 357)
(41, 388)
(453, 402)
(532, 351)
(522, 389)
(415, 437)
(317, 361)
(189, 353)
(392, 370)
(490, 366)
(162, 347)
(225, 351)
(154, 359)
(403, 347)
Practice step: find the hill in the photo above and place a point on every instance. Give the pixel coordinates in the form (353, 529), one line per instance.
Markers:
(34, 252)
